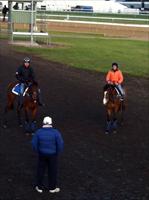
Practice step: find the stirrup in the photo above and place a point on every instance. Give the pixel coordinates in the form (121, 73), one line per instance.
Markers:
(121, 98)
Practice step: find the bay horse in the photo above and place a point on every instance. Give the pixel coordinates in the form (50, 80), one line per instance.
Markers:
(30, 105)
(114, 108)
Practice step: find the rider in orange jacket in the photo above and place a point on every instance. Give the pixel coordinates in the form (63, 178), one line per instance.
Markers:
(115, 77)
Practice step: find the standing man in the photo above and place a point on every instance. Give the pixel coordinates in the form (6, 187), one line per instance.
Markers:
(4, 12)
(48, 143)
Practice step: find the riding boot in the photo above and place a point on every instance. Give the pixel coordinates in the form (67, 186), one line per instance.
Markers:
(122, 98)
(39, 99)
(39, 103)
(20, 103)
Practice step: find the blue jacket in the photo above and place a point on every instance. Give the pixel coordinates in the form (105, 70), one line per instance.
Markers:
(47, 141)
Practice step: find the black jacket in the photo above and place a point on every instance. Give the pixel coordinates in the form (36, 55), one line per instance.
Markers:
(5, 10)
(24, 74)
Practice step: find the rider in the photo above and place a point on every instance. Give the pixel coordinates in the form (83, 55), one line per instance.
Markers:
(115, 77)
(25, 76)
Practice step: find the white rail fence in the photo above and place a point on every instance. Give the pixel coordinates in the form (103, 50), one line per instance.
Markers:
(69, 17)
(112, 21)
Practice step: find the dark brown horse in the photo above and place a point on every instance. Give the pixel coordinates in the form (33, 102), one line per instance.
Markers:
(114, 108)
(30, 105)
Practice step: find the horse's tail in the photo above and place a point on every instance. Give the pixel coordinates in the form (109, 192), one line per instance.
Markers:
(10, 86)
(10, 96)
(9, 106)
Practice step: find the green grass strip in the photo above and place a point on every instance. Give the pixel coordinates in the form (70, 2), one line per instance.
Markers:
(96, 53)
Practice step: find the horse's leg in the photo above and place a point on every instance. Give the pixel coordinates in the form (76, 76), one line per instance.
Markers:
(115, 119)
(19, 116)
(109, 121)
(27, 122)
(114, 124)
(122, 110)
(30, 124)
(8, 107)
(118, 114)
(5, 123)
(26, 112)
(33, 120)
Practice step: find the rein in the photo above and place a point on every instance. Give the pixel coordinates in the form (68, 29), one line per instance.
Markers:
(32, 94)
(111, 96)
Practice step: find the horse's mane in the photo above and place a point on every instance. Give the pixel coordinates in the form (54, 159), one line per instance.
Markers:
(111, 88)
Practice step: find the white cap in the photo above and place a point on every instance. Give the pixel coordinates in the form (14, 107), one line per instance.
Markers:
(47, 120)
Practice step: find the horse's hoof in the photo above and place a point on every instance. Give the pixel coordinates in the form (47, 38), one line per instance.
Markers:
(115, 131)
(106, 132)
(20, 125)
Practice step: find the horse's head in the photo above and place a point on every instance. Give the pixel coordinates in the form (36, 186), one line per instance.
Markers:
(33, 92)
(112, 92)
(110, 95)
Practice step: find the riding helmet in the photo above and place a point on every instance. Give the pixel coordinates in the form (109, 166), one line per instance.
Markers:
(26, 60)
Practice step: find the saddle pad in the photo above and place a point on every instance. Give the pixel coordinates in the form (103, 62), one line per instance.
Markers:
(17, 90)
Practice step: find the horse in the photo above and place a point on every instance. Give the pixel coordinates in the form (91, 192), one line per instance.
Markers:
(114, 108)
(30, 105)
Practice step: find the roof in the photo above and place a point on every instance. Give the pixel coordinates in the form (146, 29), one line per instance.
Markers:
(21, 1)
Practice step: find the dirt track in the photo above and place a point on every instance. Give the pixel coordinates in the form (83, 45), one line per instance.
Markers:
(140, 33)
(132, 32)
(93, 166)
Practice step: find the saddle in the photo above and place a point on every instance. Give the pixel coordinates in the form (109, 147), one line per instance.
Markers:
(17, 90)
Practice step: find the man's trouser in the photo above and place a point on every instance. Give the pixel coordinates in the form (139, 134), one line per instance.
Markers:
(49, 162)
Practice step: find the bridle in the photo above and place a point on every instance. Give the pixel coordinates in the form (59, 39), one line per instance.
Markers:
(32, 92)
(112, 94)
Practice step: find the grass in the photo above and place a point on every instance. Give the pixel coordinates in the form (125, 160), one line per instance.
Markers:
(96, 53)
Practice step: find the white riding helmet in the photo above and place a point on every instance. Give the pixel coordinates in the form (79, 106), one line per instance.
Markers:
(47, 120)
